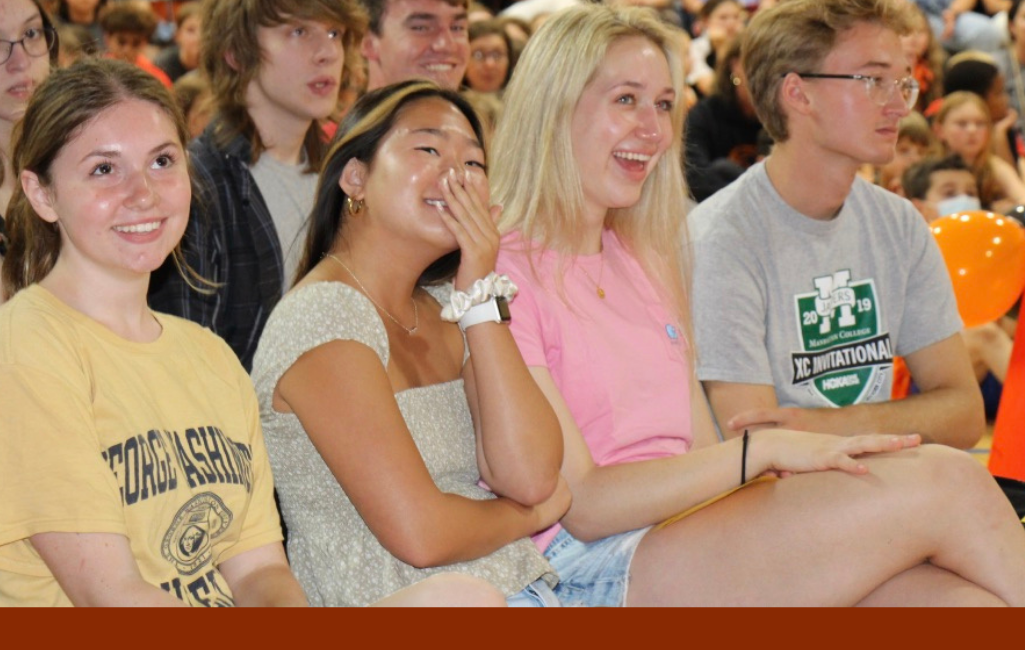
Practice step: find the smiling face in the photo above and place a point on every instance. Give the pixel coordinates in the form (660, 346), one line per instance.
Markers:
(120, 192)
(21, 73)
(848, 125)
(402, 186)
(622, 125)
(419, 39)
(299, 75)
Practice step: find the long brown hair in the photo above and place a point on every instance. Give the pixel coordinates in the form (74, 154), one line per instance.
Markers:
(59, 108)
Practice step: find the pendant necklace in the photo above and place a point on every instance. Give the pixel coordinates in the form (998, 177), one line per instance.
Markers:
(416, 312)
(601, 269)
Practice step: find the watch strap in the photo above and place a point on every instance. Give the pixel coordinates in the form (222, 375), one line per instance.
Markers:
(493, 310)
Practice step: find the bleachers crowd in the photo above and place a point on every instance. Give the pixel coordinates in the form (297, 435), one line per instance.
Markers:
(499, 302)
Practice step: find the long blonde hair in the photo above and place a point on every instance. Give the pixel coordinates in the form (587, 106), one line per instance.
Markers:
(535, 175)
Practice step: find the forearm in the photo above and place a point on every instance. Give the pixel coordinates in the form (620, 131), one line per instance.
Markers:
(618, 498)
(520, 439)
(99, 570)
(271, 586)
(450, 528)
(950, 416)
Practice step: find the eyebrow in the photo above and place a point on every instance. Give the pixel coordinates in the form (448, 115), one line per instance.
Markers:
(433, 17)
(421, 16)
(32, 19)
(639, 86)
(443, 134)
(115, 153)
(881, 65)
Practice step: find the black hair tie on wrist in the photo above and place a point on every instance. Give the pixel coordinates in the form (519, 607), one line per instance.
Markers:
(743, 460)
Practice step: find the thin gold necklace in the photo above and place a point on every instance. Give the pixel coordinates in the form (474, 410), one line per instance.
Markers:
(601, 269)
(416, 312)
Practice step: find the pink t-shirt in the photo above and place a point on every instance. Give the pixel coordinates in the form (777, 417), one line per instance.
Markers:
(619, 362)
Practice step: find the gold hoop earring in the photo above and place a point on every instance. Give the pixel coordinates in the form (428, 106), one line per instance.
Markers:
(355, 207)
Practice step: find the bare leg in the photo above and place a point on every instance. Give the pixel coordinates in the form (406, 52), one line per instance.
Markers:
(928, 586)
(446, 590)
(829, 538)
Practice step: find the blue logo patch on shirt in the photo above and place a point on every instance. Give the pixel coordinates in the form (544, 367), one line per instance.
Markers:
(672, 333)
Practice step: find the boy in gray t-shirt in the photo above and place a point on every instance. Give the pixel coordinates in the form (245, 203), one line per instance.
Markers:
(808, 280)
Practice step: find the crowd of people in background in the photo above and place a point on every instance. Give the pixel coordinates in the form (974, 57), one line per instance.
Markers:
(492, 302)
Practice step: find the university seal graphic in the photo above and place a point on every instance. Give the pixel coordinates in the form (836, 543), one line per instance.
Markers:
(190, 538)
(844, 354)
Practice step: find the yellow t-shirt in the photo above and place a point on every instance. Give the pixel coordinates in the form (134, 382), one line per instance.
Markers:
(159, 442)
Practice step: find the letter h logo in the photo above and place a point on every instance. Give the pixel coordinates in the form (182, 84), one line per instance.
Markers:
(834, 293)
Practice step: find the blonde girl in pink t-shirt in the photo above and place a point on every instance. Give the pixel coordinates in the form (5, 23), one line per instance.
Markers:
(587, 169)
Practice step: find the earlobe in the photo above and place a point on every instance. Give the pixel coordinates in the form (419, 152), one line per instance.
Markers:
(38, 196)
(353, 178)
(229, 58)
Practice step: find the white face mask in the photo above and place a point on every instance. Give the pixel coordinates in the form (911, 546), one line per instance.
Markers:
(959, 203)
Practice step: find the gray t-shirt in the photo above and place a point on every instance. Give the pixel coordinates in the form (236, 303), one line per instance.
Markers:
(289, 193)
(815, 308)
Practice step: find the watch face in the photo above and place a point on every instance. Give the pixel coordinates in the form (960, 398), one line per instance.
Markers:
(503, 309)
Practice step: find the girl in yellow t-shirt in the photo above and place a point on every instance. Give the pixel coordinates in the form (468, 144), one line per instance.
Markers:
(132, 465)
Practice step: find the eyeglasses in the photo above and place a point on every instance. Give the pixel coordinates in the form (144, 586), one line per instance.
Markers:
(495, 56)
(36, 42)
(879, 90)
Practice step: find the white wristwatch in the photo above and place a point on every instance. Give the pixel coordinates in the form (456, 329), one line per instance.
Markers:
(493, 310)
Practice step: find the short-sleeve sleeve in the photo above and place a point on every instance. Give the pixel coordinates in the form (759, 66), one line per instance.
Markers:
(262, 524)
(729, 308)
(52, 474)
(930, 310)
(308, 318)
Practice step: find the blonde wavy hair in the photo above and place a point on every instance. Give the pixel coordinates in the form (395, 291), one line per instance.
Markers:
(535, 176)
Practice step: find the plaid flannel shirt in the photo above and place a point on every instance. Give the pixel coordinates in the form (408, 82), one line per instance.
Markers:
(231, 241)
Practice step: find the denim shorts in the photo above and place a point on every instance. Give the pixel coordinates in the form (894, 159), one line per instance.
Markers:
(594, 574)
(536, 594)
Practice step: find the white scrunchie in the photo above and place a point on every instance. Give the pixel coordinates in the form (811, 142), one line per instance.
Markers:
(482, 290)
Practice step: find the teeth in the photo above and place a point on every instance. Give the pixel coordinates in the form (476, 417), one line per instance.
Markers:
(437, 203)
(632, 156)
(139, 228)
(440, 67)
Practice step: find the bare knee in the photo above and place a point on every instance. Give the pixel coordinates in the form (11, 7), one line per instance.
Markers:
(458, 590)
(954, 477)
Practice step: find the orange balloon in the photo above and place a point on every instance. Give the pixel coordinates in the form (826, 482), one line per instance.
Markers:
(985, 255)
